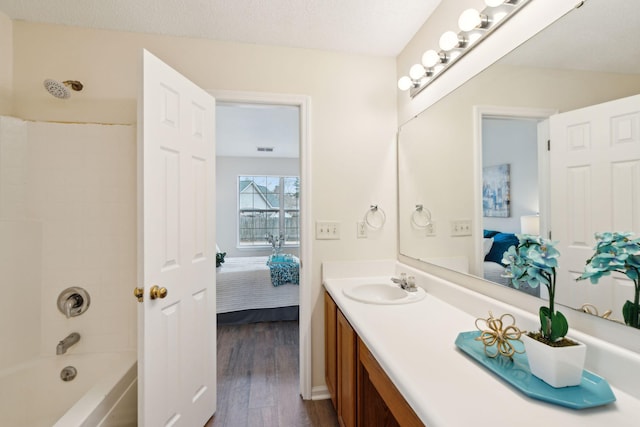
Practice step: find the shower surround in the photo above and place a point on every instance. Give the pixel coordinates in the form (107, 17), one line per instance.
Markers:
(67, 218)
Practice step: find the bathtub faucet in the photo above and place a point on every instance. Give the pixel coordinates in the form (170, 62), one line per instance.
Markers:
(70, 340)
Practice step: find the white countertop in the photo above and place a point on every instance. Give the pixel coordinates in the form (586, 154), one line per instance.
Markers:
(414, 343)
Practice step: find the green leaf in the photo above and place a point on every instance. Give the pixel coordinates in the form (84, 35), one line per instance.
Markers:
(626, 311)
(545, 322)
(631, 313)
(559, 326)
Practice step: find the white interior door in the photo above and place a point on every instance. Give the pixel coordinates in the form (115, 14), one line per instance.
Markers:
(176, 240)
(595, 187)
(544, 185)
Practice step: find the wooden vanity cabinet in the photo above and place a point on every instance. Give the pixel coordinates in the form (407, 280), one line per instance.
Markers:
(347, 371)
(330, 347)
(380, 404)
(361, 392)
(340, 362)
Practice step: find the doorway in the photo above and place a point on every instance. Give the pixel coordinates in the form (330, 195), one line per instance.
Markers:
(535, 120)
(301, 104)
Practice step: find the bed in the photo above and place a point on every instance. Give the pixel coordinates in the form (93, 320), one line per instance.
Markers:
(246, 294)
(495, 245)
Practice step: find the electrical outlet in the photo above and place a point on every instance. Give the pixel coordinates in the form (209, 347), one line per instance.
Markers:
(430, 229)
(461, 227)
(327, 230)
(361, 230)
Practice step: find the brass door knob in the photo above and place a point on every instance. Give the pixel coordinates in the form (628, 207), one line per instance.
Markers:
(138, 293)
(157, 292)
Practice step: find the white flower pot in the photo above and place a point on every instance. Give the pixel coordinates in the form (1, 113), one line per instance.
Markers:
(557, 366)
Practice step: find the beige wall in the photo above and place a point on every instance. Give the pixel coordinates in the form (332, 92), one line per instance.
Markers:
(352, 120)
(6, 63)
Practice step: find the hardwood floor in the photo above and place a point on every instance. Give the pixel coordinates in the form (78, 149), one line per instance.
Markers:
(258, 382)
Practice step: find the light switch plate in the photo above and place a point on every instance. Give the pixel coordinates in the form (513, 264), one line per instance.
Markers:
(327, 230)
(461, 227)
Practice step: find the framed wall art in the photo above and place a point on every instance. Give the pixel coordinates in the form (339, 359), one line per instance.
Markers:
(496, 191)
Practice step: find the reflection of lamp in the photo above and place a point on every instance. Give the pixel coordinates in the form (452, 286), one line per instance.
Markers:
(530, 224)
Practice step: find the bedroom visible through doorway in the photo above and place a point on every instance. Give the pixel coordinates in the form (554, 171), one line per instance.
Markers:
(259, 189)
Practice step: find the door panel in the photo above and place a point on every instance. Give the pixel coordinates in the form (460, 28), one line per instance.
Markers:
(176, 158)
(595, 187)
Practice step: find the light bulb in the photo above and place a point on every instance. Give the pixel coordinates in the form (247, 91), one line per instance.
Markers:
(448, 41)
(430, 58)
(493, 3)
(404, 83)
(469, 19)
(416, 71)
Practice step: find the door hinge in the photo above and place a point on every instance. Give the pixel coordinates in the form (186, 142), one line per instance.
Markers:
(549, 234)
(548, 145)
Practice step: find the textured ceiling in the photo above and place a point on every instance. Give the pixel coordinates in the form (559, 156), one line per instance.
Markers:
(378, 27)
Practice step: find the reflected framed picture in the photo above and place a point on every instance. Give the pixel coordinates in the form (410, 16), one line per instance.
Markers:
(496, 191)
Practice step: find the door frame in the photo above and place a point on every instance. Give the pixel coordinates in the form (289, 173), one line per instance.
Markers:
(480, 112)
(303, 102)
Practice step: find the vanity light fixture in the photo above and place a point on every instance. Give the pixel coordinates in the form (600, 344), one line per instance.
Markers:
(474, 26)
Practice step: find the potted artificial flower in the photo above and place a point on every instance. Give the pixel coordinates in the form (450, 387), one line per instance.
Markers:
(553, 358)
(618, 252)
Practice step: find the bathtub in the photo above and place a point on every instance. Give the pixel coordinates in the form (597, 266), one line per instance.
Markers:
(102, 394)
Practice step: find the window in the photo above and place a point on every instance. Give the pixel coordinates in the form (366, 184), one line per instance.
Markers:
(268, 205)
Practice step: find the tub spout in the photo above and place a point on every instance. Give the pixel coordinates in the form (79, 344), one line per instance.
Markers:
(70, 340)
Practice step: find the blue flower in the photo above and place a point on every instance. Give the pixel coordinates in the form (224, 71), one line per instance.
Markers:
(615, 251)
(619, 252)
(534, 262)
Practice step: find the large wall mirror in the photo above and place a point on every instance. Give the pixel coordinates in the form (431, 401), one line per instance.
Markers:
(474, 169)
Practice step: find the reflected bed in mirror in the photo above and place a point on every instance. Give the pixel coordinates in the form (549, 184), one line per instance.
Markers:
(502, 117)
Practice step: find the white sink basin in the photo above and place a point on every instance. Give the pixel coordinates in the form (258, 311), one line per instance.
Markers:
(382, 293)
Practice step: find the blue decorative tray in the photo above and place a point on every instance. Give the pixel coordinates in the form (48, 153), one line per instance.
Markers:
(592, 391)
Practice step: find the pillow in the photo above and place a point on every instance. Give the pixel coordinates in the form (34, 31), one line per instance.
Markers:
(501, 243)
(220, 258)
(490, 233)
(486, 244)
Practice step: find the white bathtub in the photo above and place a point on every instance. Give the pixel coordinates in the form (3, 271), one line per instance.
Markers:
(33, 395)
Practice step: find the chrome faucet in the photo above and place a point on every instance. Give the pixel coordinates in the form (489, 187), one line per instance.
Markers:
(70, 340)
(406, 283)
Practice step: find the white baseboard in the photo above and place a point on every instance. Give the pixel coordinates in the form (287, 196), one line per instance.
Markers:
(320, 393)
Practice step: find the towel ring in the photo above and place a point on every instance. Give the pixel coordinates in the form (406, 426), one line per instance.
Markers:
(421, 217)
(371, 215)
(593, 310)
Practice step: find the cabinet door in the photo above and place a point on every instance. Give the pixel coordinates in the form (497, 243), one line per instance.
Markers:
(380, 402)
(347, 365)
(330, 347)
